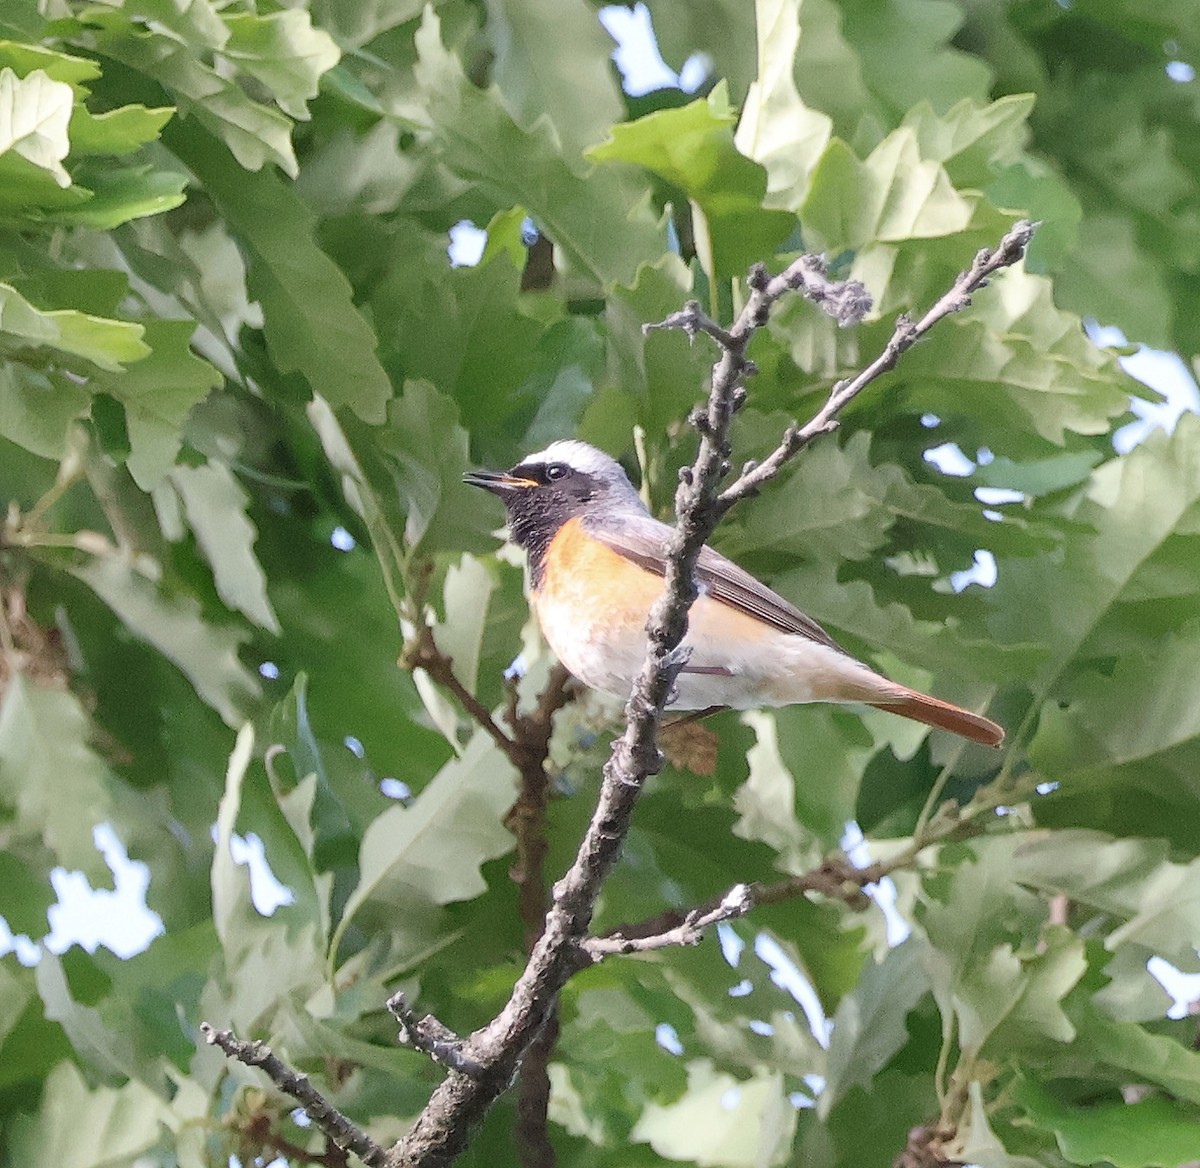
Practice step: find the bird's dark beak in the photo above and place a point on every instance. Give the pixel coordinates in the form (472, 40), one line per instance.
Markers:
(498, 482)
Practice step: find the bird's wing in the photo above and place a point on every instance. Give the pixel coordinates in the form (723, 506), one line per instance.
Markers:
(643, 540)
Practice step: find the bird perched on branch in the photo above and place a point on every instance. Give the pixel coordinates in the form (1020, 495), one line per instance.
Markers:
(596, 562)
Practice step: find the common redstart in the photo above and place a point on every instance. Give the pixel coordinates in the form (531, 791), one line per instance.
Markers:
(596, 564)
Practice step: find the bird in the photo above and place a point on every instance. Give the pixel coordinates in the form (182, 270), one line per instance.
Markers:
(596, 560)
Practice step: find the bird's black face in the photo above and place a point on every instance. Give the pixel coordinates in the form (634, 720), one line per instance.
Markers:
(539, 496)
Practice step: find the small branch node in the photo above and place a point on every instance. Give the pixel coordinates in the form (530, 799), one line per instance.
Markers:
(758, 278)
(433, 1038)
(692, 319)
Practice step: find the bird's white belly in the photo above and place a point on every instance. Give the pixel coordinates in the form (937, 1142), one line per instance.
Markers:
(735, 660)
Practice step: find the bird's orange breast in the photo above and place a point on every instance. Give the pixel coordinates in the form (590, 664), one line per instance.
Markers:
(592, 604)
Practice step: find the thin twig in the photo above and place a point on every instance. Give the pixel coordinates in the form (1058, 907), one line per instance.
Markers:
(987, 262)
(527, 820)
(424, 654)
(738, 901)
(343, 1131)
(259, 1131)
(531, 1133)
(834, 878)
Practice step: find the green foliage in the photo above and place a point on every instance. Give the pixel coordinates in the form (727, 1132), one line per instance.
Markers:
(239, 383)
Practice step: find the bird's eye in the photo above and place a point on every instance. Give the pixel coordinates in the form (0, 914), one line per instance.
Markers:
(555, 471)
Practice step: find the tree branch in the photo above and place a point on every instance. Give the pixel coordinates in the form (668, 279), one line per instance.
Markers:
(527, 747)
(526, 819)
(834, 878)
(424, 654)
(738, 901)
(987, 262)
(442, 1130)
(341, 1130)
(484, 1065)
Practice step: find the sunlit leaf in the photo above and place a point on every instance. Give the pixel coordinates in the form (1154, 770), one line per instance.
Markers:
(34, 113)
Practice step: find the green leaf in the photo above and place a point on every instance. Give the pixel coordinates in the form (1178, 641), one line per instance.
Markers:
(459, 635)
(907, 54)
(1101, 736)
(16, 992)
(174, 625)
(108, 344)
(778, 804)
(1135, 505)
(310, 321)
(1155, 1133)
(975, 934)
(404, 862)
(34, 114)
(895, 194)
(158, 395)
(865, 1122)
(1051, 379)
(118, 195)
(869, 1026)
(25, 891)
(24, 59)
(776, 129)
(37, 408)
(719, 31)
(284, 52)
(312, 808)
(720, 1120)
(1009, 1003)
(106, 1050)
(835, 505)
(424, 450)
(972, 140)
(117, 131)
(573, 87)
(78, 1127)
(1108, 261)
(600, 220)
(465, 330)
(255, 133)
(231, 908)
(1153, 899)
(693, 148)
(1151, 1058)
(1039, 476)
(49, 773)
(216, 511)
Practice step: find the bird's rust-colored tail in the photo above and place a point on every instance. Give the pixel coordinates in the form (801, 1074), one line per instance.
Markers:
(909, 703)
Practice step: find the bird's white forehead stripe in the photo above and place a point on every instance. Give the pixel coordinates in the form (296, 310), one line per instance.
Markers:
(577, 454)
